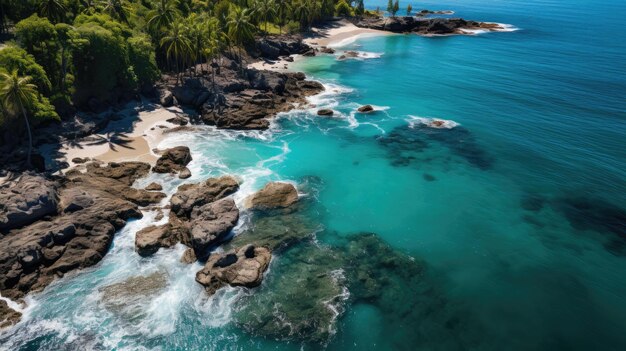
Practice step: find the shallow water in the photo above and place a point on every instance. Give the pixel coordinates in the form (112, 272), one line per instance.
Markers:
(513, 221)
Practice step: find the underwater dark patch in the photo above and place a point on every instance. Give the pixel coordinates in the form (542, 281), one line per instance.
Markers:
(404, 145)
(597, 215)
(532, 202)
(429, 177)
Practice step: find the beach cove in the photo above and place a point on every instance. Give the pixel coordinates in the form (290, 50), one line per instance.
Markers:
(479, 206)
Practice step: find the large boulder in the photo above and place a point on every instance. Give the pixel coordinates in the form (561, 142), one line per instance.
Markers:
(274, 196)
(239, 267)
(325, 112)
(210, 223)
(189, 196)
(366, 109)
(173, 160)
(26, 200)
(148, 240)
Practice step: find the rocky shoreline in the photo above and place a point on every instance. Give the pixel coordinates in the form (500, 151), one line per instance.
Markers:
(428, 26)
(51, 225)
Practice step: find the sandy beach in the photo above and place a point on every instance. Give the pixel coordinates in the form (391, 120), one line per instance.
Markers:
(142, 131)
(333, 34)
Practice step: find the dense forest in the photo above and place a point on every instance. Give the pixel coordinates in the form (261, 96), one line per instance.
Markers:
(61, 55)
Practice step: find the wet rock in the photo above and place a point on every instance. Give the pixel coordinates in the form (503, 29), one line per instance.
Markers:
(150, 239)
(325, 112)
(185, 173)
(234, 268)
(130, 297)
(189, 196)
(173, 160)
(95, 205)
(8, 316)
(210, 223)
(189, 256)
(366, 109)
(26, 200)
(327, 50)
(154, 187)
(274, 196)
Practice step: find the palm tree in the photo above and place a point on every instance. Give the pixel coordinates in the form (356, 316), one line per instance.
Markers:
(303, 14)
(266, 10)
(282, 9)
(117, 9)
(162, 16)
(177, 46)
(240, 30)
(17, 93)
(53, 9)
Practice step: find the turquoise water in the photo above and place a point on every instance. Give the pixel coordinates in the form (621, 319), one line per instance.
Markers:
(516, 216)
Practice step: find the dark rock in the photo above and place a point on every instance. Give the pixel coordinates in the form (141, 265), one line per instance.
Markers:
(79, 160)
(210, 224)
(365, 109)
(425, 26)
(185, 173)
(327, 50)
(95, 205)
(26, 200)
(179, 120)
(149, 240)
(173, 160)
(189, 256)
(8, 316)
(166, 98)
(429, 177)
(274, 196)
(325, 112)
(190, 196)
(238, 270)
(154, 187)
(227, 260)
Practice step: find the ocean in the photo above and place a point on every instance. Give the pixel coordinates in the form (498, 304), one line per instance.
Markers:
(505, 228)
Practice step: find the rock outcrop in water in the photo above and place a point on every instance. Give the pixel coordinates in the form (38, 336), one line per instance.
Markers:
(426, 26)
(239, 267)
(130, 297)
(173, 160)
(91, 207)
(201, 215)
(275, 196)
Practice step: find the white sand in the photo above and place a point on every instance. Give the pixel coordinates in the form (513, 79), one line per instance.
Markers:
(340, 33)
(136, 145)
(333, 34)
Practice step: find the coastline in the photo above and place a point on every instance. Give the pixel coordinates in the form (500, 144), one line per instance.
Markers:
(332, 34)
(142, 130)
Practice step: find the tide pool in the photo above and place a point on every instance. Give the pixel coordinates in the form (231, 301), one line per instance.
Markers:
(506, 231)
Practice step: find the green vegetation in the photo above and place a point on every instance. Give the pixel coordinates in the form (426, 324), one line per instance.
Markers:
(75, 52)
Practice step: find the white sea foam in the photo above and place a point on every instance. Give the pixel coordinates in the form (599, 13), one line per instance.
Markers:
(431, 122)
(360, 55)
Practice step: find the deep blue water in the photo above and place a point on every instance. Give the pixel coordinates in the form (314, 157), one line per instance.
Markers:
(518, 213)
